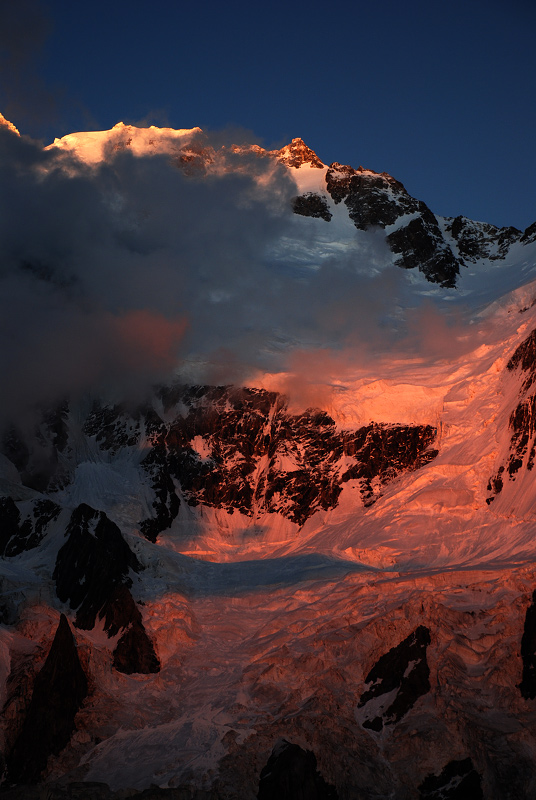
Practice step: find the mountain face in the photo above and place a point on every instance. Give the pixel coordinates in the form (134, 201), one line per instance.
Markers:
(261, 588)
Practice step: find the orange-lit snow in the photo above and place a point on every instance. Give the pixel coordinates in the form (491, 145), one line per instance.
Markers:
(93, 146)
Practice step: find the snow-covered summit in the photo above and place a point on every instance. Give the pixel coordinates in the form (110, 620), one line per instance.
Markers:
(5, 123)
(94, 146)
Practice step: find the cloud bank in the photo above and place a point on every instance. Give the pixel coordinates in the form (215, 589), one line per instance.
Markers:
(112, 276)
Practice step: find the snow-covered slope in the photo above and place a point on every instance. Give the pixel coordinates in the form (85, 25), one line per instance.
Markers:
(337, 551)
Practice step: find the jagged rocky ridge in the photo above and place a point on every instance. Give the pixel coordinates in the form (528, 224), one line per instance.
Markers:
(438, 248)
(414, 234)
(240, 449)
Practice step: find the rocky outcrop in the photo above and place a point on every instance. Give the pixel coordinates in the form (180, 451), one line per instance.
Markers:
(237, 449)
(135, 652)
(527, 686)
(91, 573)
(522, 421)
(291, 774)
(529, 234)
(296, 154)
(479, 240)
(459, 780)
(396, 681)
(17, 534)
(311, 204)
(241, 450)
(378, 200)
(59, 690)
(115, 426)
(92, 564)
(372, 199)
(166, 503)
(420, 245)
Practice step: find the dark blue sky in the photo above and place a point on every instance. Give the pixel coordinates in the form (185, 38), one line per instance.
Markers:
(440, 95)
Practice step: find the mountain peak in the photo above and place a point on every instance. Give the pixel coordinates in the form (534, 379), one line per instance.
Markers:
(297, 153)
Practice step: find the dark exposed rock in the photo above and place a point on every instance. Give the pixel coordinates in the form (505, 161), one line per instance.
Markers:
(375, 199)
(476, 240)
(134, 652)
(524, 358)
(297, 153)
(240, 449)
(59, 690)
(119, 610)
(529, 234)
(16, 535)
(91, 573)
(403, 669)
(459, 780)
(92, 564)
(15, 448)
(9, 524)
(291, 774)
(420, 245)
(383, 452)
(527, 686)
(372, 198)
(311, 204)
(115, 427)
(522, 422)
(166, 503)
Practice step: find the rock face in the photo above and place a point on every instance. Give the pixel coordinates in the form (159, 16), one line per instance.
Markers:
(420, 245)
(476, 240)
(236, 449)
(371, 198)
(134, 652)
(291, 774)
(459, 780)
(379, 200)
(527, 686)
(296, 154)
(240, 449)
(396, 681)
(91, 573)
(92, 564)
(18, 535)
(522, 424)
(311, 204)
(59, 690)
(166, 503)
